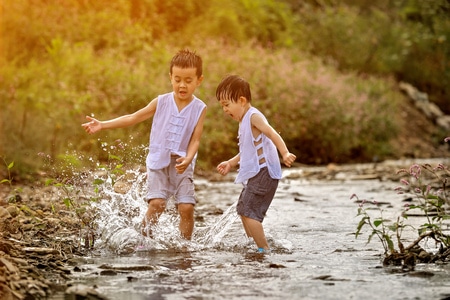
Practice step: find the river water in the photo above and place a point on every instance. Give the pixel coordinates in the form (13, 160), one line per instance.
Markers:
(310, 227)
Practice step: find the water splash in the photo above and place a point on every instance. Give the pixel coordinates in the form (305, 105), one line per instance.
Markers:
(213, 235)
(120, 215)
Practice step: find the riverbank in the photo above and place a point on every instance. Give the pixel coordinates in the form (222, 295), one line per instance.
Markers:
(41, 239)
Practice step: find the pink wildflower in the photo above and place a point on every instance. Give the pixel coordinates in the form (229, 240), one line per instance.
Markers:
(399, 190)
(439, 167)
(406, 209)
(415, 170)
(404, 181)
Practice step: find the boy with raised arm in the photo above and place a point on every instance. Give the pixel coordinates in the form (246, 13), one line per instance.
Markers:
(177, 127)
(258, 160)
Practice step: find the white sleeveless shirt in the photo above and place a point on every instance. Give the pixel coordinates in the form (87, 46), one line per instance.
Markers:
(172, 130)
(249, 164)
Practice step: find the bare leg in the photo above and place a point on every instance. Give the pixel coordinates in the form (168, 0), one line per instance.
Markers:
(247, 230)
(155, 208)
(186, 212)
(254, 229)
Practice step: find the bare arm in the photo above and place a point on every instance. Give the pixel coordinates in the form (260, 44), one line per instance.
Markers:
(194, 143)
(261, 125)
(145, 113)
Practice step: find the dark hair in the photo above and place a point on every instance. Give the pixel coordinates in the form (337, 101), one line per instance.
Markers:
(187, 59)
(232, 87)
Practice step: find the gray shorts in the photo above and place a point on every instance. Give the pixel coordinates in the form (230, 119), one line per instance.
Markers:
(257, 196)
(166, 182)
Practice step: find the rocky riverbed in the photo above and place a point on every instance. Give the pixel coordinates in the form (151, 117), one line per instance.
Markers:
(46, 228)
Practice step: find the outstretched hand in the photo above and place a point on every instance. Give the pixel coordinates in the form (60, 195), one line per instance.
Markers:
(92, 126)
(288, 159)
(182, 164)
(224, 167)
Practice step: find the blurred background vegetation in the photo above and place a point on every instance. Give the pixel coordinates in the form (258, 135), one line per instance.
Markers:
(325, 72)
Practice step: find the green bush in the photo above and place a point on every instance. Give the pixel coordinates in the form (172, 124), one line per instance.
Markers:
(408, 39)
(323, 115)
(77, 58)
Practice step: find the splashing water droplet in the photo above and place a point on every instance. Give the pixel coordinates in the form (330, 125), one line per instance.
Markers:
(214, 235)
(120, 216)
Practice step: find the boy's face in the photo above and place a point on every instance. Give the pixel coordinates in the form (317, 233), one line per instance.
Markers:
(236, 110)
(184, 82)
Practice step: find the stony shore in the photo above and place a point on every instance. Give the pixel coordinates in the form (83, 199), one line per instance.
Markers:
(37, 244)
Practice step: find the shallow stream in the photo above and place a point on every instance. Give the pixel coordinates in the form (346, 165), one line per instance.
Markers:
(310, 227)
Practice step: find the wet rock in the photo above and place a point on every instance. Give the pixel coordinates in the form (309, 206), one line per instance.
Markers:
(276, 266)
(122, 187)
(297, 199)
(410, 260)
(13, 211)
(422, 274)
(108, 273)
(424, 256)
(4, 214)
(40, 250)
(83, 292)
(322, 277)
(294, 175)
(7, 294)
(9, 266)
(329, 278)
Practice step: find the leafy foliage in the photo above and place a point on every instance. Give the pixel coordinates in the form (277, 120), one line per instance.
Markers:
(428, 187)
(408, 39)
(69, 58)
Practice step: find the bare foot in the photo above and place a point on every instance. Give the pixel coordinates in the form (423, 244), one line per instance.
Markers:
(146, 230)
